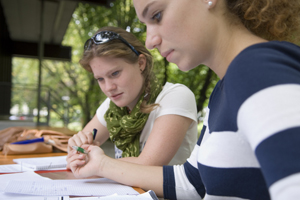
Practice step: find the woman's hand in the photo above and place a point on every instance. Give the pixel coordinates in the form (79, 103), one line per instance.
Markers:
(79, 139)
(82, 137)
(86, 165)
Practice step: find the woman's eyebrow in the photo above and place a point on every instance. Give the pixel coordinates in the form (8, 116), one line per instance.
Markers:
(145, 11)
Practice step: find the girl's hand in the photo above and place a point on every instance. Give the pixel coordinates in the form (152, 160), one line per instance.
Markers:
(82, 137)
(79, 139)
(86, 165)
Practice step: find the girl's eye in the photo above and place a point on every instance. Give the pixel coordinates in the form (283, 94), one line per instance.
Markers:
(99, 79)
(115, 73)
(157, 17)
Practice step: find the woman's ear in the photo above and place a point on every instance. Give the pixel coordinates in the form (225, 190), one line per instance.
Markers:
(142, 62)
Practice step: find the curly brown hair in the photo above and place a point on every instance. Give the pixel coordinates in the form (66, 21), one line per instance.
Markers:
(270, 19)
(117, 49)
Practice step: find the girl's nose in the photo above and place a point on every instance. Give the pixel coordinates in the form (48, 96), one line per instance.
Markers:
(110, 85)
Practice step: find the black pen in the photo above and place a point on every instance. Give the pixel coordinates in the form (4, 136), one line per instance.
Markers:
(94, 133)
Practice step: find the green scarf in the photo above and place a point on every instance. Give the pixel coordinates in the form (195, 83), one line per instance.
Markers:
(125, 128)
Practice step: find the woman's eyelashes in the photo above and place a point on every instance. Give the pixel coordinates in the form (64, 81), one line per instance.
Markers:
(99, 79)
(116, 73)
(157, 17)
(113, 75)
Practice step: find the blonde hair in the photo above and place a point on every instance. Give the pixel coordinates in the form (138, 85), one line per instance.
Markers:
(117, 49)
(270, 19)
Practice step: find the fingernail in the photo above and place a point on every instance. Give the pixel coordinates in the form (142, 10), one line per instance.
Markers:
(81, 156)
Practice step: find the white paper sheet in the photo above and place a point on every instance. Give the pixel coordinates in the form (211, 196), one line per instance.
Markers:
(30, 197)
(144, 196)
(4, 179)
(14, 168)
(43, 163)
(117, 197)
(77, 187)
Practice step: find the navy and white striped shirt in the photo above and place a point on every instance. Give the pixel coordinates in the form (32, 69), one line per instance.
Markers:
(249, 147)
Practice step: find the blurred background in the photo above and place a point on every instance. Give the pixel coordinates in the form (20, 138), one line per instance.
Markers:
(41, 42)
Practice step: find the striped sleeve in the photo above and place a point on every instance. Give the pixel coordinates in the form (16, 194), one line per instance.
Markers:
(275, 136)
(184, 181)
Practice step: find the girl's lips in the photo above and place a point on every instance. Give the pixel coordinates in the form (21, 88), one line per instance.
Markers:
(117, 96)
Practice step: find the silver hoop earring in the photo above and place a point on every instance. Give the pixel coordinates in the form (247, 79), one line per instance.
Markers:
(210, 3)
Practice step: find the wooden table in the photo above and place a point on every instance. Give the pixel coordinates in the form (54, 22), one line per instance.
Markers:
(61, 174)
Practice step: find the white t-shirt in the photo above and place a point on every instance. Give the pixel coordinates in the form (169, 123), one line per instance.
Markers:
(174, 99)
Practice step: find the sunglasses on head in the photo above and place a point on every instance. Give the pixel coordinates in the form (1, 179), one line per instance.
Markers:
(106, 36)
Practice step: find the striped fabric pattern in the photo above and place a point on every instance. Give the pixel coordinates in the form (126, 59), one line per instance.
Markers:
(249, 147)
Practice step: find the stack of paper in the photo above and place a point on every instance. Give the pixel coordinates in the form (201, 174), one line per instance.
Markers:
(43, 163)
(31, 186)
(150, 195)
(21, 176)
(35, 164)
(76, 187)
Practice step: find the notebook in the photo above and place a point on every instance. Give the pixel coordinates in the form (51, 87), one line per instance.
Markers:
(43, 163)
